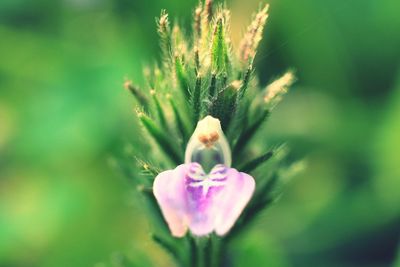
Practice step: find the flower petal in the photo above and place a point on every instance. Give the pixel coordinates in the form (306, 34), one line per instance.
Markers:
(216, 200)
(170, 192)
(203, 202)
(201, 192)
(234, 197)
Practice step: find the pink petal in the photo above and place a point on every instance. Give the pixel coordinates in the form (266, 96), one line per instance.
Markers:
(169, 190)
(233, 199)
(200, 200)
(203, 202)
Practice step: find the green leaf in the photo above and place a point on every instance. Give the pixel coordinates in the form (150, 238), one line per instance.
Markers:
(138, 94)
(245, 82)
(166, 245)
(196, 101)
(120, 260)
(180, 125)
(154, 210)
(253, 164)
(164, 30)
(224, 105)
(249, 132)
(219, 51)
(147, 168)
(159, 109)
(161, 137)
(260, 201)
(182, 77)
(213, 85)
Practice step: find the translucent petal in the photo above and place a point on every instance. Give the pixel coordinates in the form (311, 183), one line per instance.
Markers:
(208, 141)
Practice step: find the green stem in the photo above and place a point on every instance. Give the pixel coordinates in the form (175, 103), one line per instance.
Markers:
(215, 251)
(193, 252)
(204, 251)
(201, 253)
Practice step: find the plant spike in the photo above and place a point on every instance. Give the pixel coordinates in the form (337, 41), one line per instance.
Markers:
(197, 22)
(196, 60)
(279, 87)
(253, 36)
(208, 10)
(164, 31)
(206, 16)
(137, 93)
(179, 44)
(219, 53)
(196, 101)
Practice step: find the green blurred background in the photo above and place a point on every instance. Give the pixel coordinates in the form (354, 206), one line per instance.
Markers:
(64, 116)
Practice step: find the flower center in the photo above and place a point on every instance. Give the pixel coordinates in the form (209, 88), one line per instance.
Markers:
(199, 179)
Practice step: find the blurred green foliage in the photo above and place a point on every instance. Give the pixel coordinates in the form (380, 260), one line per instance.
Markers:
(64, 116)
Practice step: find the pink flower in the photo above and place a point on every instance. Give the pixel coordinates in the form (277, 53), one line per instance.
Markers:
(204, 195)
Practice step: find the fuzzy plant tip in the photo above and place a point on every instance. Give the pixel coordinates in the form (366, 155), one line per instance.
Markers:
(195, 197)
